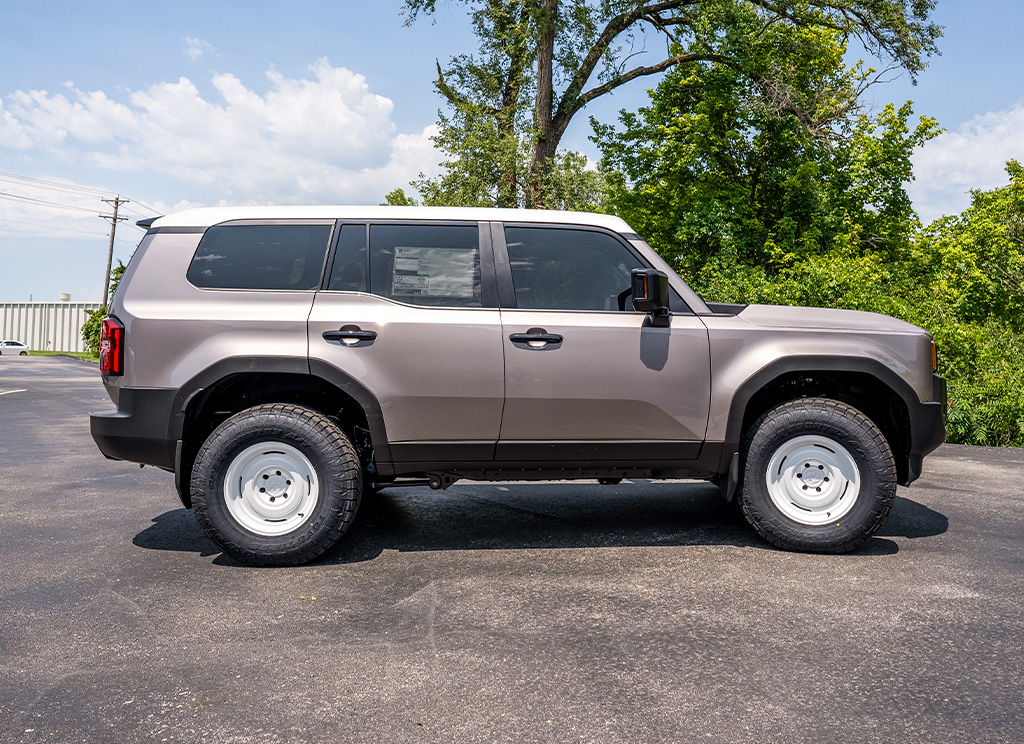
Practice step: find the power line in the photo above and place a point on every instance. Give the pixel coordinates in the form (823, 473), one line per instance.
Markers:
(137, 213)
(32, 200)
(54, 184)
(122, 241)
(53, 227)
(157, 212)
(68, 187)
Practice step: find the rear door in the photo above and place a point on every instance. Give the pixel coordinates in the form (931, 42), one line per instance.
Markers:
(409, 312)
(587, 379)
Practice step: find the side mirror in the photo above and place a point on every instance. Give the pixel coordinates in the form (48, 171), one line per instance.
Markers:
(650, 295)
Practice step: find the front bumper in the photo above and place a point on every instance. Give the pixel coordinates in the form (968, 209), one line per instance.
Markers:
(927, 428)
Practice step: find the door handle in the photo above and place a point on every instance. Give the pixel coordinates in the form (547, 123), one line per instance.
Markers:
(535, 337)
(350, 335)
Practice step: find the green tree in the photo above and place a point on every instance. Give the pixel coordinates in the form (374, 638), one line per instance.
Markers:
(718, 177)
(970, 272)
(91, 327)
(541, 61)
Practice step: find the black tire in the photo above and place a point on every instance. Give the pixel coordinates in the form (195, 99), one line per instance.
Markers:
(24, 353)
(803, 428)
(319, 442)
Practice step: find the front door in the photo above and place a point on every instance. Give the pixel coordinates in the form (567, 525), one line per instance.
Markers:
(587, 379)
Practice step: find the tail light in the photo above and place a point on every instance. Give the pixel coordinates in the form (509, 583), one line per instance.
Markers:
(112, 347)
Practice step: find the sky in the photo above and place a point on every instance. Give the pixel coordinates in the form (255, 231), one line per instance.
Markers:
(173, 105)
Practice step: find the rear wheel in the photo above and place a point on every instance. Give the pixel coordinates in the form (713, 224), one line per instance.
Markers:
(818, 476)
(276, 484)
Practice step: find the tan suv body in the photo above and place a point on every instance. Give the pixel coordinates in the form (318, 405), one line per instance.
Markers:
(429, 344)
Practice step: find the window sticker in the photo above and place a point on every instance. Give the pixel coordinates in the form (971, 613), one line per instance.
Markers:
(434, 272)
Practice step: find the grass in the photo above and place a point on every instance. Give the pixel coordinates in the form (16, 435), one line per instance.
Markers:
(79, 354)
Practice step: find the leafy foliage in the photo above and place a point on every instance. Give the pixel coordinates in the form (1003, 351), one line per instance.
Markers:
(713, 166)
(541, 61)
(91, 327)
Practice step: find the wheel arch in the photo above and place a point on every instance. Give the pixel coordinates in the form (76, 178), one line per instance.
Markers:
(864, 383)
(235, 384)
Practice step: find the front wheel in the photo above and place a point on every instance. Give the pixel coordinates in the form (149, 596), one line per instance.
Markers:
(818, 476)
(24, 353)
(276, 484)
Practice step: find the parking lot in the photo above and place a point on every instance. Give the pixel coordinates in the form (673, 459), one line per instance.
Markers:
(643, 612)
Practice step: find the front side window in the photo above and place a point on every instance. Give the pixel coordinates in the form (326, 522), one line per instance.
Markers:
(435, 265)
(566, 269)
(260, 257)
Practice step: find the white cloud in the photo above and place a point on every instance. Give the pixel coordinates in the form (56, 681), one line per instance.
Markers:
(195, 48)
(325, 139)
(972, 157)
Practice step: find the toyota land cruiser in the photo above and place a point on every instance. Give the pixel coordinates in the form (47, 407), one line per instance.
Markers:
(280, 360)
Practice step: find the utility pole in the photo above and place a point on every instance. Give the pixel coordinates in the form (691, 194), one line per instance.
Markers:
(117, 201)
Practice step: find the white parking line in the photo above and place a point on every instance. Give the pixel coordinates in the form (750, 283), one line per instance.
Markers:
(8, 392)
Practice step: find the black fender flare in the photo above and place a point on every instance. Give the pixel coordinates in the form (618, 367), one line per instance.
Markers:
(923, 417)
(195, 386)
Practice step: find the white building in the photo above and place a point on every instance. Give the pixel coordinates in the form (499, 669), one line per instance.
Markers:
(45, 326)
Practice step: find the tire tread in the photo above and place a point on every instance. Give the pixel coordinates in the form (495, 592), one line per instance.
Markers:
(845, 424)
(306, 427)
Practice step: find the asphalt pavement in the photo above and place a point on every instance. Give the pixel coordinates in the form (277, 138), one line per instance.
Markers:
(538, 612)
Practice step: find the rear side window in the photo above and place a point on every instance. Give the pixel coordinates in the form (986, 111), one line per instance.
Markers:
(260, 257)
(349, 271)
(436, 265)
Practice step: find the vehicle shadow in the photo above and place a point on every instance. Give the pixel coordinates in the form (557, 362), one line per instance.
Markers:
(911, 519)
(175, 530)
(528, 516)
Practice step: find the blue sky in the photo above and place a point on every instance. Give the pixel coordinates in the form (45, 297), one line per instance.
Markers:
(199, 103)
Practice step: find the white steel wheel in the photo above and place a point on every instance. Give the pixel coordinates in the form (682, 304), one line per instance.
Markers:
(276, 485)
(813, 480)
(270, 488)
(818, 475)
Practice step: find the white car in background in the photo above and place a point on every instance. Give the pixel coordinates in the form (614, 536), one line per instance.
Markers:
(13, 348)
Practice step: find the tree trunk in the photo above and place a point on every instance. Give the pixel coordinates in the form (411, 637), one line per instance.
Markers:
(509, 169)
(545, 144)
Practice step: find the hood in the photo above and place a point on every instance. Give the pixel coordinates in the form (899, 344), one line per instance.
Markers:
(780, 316)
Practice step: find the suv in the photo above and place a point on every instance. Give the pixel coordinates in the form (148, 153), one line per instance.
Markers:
(283, 360)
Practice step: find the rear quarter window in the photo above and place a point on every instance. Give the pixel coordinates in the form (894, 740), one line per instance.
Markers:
(289, 257)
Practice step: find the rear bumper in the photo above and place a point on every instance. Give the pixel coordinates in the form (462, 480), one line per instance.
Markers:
(927, 428)
(139, 430)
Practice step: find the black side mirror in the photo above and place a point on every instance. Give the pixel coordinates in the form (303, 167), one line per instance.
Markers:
(650, 295)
